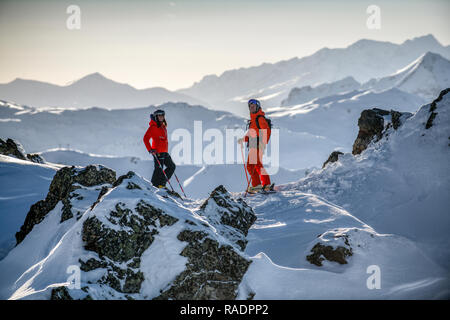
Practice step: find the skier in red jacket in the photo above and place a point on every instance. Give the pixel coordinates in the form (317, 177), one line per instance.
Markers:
(157, 133)
(257, 137)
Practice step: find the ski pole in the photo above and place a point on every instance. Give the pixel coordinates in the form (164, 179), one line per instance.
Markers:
(180, 184)
(159, 163)
(243, 159)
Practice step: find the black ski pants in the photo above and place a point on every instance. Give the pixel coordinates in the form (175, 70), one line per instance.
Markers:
(158, 178)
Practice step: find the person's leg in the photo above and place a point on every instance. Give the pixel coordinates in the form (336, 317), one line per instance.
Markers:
(170, 166)
(157, 174)
(158, 178)
(264, 177)
(253, 171)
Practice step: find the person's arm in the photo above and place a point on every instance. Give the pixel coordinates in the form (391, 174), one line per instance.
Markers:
(264, 131)
(148, 135)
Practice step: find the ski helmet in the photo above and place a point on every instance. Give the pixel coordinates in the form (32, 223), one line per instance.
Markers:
(159, 112)
(255, 102)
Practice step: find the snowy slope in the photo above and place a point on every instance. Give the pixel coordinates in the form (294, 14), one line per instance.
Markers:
(93, 90)
(290, 223)
(308, 93)
(363, 60)
(197, 181)
(400, 184)
(134, 241)
(335, 118)
(425, 77)
(389, 205)
(22, 183)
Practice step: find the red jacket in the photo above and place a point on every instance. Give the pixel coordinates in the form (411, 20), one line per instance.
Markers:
(253, 131)
(158, 135)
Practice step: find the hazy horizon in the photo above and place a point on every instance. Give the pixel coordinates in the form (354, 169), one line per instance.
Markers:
(173, 44)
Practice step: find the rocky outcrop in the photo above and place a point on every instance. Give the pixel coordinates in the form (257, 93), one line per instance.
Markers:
(11, 148)
(34, 157)
(433, 107)
(215, 268)
(232, 217)
(14, 149)
(373, 123)
(334, 156)
(338, 253)
(63, 188)
(123, 223)
(213, 272)
(321, 252)
(120, 251)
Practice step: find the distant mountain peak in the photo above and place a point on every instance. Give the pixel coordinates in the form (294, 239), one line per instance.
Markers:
(428, 40)
(427, 60)
(431, 56)
(93, 76)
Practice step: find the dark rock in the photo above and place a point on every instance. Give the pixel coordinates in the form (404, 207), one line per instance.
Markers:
(334, 156)
(395, 118)
(63, 183)
(34, 157)
(371, 123)
(321, 252)
(66, 212)
(11, 148)
(136, 233)
(119, 180)
(103, 191)
(371, 126)
(15, 149)
(433, 107)
(91, 264)
(60, 293)
(213, 271)
(234, 213)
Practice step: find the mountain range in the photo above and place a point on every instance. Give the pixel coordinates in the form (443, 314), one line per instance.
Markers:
(272, 82)
(93, 90)
(365, 61)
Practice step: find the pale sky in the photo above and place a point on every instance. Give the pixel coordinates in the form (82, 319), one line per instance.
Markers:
(172, 44)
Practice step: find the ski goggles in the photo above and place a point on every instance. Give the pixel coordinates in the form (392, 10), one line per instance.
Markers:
(254, 101)
(159, 113)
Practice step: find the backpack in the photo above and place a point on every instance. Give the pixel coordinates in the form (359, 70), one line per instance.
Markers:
(269, 123)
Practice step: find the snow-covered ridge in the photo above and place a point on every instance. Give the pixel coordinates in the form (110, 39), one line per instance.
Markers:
(399, 184)
(128, 240)
(426, 77)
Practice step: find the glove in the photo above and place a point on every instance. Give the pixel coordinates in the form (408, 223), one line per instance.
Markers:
(152, 152)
